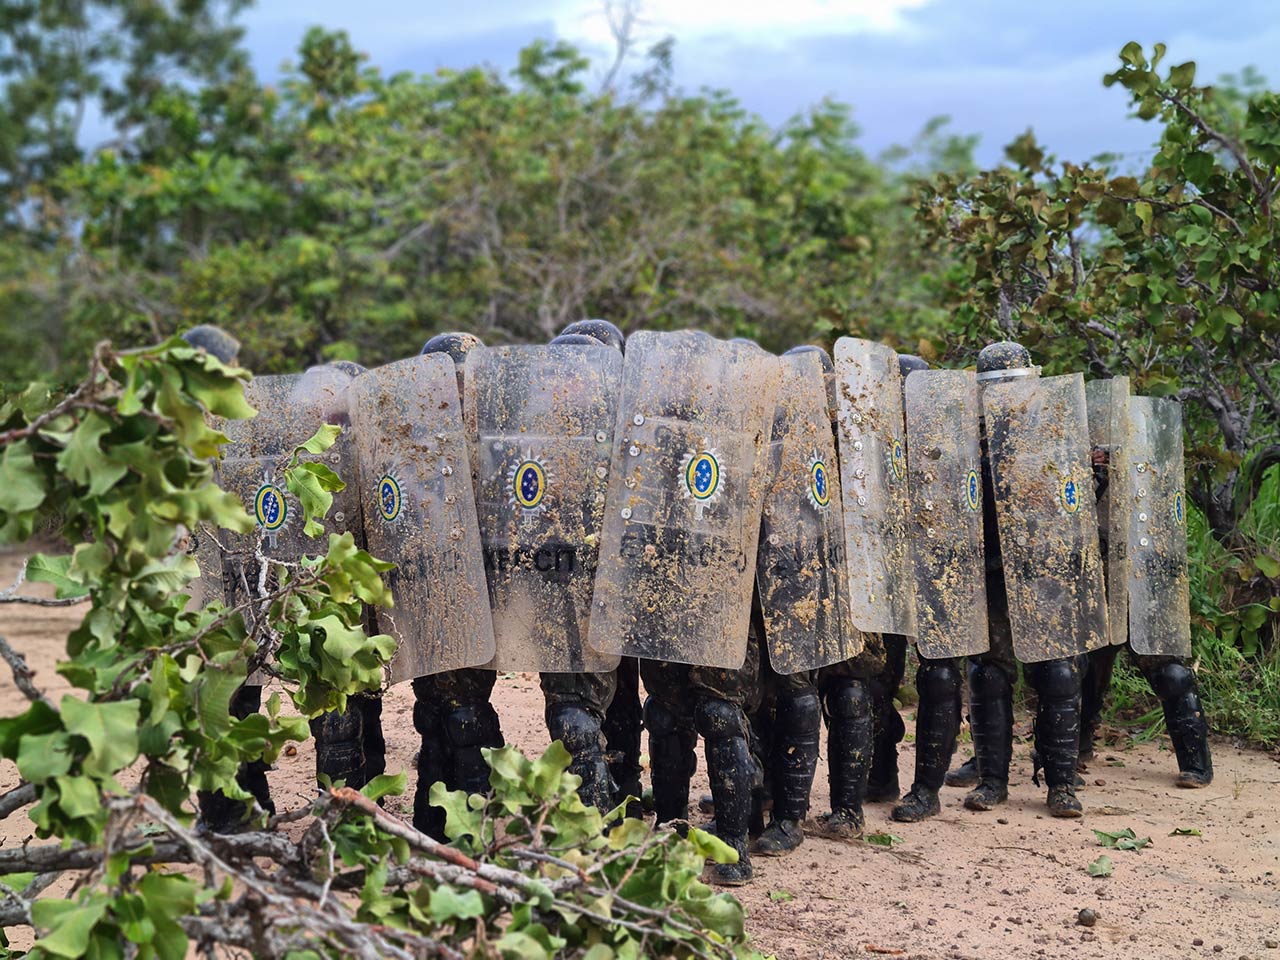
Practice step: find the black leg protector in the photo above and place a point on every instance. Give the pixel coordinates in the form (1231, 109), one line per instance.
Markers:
(579, 730)
(797, 728)
(1093, 695)
(1175, 685)
(731, 770)
(991, 719)
(937, 720)
(339, 746)
(220, 813)
(433, 761)
(468, 726)
(1057, 686)
(850, 744)
(375, 745)
(882, 782)
(671, 760)
(621, 728)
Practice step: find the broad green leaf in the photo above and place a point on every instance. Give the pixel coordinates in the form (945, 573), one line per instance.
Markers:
(21, 486)
(1101, 867)
(447, 904)
(1185, 832)
(70, 924)
(321, 440)
(110, 728)
(47, 568)
(385, 785)
(781, 896)
(883, 839)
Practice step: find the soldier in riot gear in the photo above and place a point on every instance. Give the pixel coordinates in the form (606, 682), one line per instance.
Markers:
(602, 330)
(677, 562)
(1049, 628)
(214, 341)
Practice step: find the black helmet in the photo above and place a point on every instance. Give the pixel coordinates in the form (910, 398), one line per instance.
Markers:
(601, 330)
(576, 340)
(823, 357)
(909, 363)
(214, 341)
(349, 367)
(456, 345)
(1005, 355)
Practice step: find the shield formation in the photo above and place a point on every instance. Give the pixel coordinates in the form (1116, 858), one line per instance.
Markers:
(415, 481)
(946, 513)
(1108, 403)
(543, 419)
(686, 486)
(800, 569)
(1037, 437)
(1159, 597)
(874, 482)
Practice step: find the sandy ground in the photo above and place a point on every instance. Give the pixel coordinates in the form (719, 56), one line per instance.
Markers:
(1004, 884)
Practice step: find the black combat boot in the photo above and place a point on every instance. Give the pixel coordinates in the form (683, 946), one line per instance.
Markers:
(469, 726)
(882, 782)
(731, 771)
(1175, 685)
(672, 762)
(340, 747)
(797, 728)
(848, 759)
(579, 730)
(937, 725)
(965, 775)
(1057, 731)
(991, 716)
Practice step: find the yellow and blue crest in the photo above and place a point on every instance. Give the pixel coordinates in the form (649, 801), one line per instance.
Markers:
(1179, 509)
(270, 509)
(973, 491)
(819, 487)
(388, 496)
(527, 483)
(1069, 494)
(701, 472)
(897, 459)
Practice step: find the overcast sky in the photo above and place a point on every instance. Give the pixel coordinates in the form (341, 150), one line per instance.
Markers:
(995, 66)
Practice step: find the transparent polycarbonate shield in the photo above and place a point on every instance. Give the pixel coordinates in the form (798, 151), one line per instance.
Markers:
(802, 578)
(946, 513)
(1108, 402)
(873, 460)
(686, 486)
(204, 549)
(420, 514)
(290, 409)
(1159, 597)
(543, 419)
(1038, 442)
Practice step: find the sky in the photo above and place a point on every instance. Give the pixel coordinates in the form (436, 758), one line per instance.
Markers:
(996, 67)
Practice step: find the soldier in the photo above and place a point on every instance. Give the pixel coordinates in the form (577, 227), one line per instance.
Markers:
(677, 562)
(1138, 470)
(215, 341)
(1044, 586)
(543, 420)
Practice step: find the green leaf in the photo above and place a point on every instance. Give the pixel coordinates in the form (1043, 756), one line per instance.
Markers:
(709, 846)
(21, 486)
(45, 568)
(44, 756)
(69, 924)
(17, 882)
(1185, 832)
(1183, 75)
(781, 896)
(1267, 565)
(321, 440)
(385, 784)
(448, 904)
(1101, 867)
(110, 728)
(883, 839)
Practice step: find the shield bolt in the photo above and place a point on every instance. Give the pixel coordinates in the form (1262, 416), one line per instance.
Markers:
(638, 419)
(929, 532)
(928, 505)
(446, 470)
(1145, 542)
(340, 517)
(1142, 491)
(626, 513)
(634, 451)
(862, 501)
(601, 436)
(857, 444)
(601, 472)
(859, 473)
(1142, 517)
(1142, 468)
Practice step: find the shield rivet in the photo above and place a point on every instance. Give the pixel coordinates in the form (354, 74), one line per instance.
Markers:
(862, 501)
(601, 436)
(638, 419)
(1142, 491)
(1145, 542)
(497, 446)
(857, 444)
(928, 505)
(929, 532)
(1142, 468)
(634, 451)
(601, 472)
(447, 470)
(340, 517)
(859, 473)
(626, 513)
(1142, 517)
(1022, 541)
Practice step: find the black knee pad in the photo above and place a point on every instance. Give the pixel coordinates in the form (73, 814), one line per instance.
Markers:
(850, 700)
(576, 728)
(1055, 679)
(1169, 679)
(938, 680)
(798, 712)
(659, 719)
(717, 719)
(988, 680)
(472, 724)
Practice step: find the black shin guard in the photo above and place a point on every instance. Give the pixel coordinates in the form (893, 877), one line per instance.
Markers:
(797, 728)
(849, 746)
(340, 746)
(937, 721)
(1175, 685)
(469, 726)
(671, 760)
(731, 771)
(579, 730)
(1057, 734)
(991, 719)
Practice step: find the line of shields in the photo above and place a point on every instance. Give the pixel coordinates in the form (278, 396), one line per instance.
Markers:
(556, 507)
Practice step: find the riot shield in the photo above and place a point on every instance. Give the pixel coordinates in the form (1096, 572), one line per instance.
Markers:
(686, 486)
(290, 409)
(543, 419)
(1108, 402)
(1038, 444)
(802, 578)
(1159, 597)
(873, 476)
(946, 513)
(420, 510)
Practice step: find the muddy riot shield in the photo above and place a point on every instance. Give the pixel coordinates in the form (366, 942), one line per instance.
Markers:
(1159, 598)
(420, 509)
(686, 486)
(1108, 402)
(291, 409)
(946, 513)
(542, 418)
(800, 570)
(873, 475)
(1038, 444)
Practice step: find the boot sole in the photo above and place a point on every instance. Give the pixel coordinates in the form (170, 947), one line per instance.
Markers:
(1067, 814)
(1192, 784)
(758, 851)
(724, 882)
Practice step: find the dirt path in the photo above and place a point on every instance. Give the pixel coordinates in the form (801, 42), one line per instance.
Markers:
(964, 885)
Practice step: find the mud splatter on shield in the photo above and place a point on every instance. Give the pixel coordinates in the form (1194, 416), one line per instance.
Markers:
(542, 418)
(682, 517)
(1108, 402)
